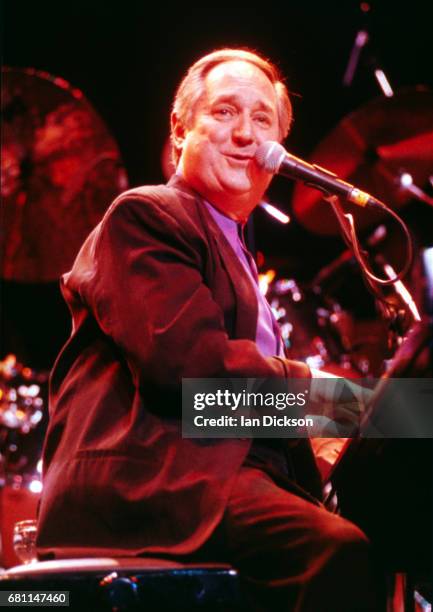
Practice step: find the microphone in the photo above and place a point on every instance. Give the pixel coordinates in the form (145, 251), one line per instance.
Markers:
(272, 157)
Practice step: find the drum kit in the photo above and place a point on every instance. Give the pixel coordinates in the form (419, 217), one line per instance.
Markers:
(60, 168)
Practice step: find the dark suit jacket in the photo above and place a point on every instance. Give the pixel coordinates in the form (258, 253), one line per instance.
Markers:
(156, 294)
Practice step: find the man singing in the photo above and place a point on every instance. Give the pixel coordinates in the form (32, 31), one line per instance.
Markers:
(164, 289)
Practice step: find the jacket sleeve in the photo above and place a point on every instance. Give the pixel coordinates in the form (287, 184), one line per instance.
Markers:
(149, 295)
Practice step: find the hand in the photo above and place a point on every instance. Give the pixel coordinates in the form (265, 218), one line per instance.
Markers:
(336, 405)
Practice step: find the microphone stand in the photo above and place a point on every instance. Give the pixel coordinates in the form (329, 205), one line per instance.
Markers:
(389, 309)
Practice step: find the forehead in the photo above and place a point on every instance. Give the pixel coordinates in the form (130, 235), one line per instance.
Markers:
(239, 78)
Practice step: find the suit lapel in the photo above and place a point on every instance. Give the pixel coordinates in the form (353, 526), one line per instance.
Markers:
(246, 300)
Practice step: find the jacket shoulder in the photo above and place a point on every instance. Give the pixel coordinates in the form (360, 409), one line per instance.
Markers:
(164, 200)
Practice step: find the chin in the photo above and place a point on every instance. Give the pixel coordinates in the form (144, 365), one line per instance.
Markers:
(238, 186)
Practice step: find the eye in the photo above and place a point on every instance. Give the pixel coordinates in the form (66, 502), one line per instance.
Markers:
(223, 113)
(263, 120)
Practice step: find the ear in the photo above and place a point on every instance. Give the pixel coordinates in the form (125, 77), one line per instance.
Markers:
(178, 131)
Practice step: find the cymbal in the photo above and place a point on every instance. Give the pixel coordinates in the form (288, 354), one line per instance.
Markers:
(60, 169)
(370, 148)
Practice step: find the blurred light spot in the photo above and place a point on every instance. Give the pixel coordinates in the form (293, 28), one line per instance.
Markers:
(383, 83)
(35, 486)
(264, 281)
(406, 179)
(275, 212)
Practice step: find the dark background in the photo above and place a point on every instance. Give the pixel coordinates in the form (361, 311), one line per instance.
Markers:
(128, 57)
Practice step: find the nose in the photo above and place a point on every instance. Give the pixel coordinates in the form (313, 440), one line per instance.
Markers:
(243, 131)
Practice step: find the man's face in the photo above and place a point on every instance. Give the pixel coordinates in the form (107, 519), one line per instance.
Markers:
(236, 113)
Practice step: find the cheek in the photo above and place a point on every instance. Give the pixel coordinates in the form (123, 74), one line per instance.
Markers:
(213, 132)
(200, 158)
(204, 149)
(259, 177)
(272, 134)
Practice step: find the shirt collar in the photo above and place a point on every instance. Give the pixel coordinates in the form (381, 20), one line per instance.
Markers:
(229, 226)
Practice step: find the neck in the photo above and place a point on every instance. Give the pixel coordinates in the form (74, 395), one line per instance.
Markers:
(238, 209)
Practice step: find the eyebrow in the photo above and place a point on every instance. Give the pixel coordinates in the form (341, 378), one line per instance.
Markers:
(234, 99)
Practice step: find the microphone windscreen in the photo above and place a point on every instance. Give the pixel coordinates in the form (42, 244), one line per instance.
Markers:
(269, 156)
